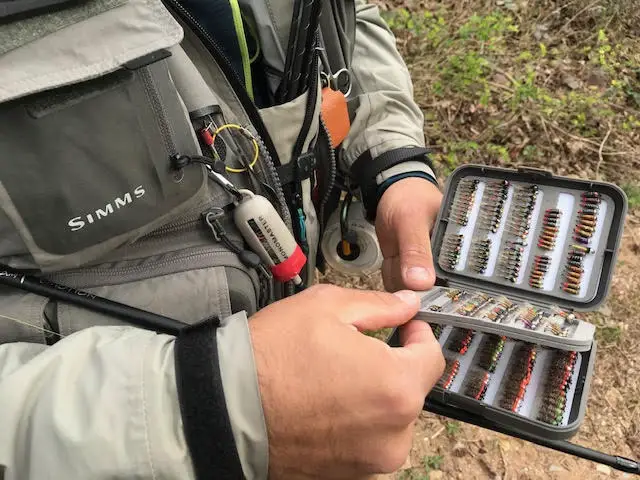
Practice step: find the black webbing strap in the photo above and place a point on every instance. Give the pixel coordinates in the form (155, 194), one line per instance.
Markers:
(365, 169)
(207, 427)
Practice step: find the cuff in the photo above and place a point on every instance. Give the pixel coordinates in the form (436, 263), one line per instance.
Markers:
(244, 403)
(220, 400)
(374, 176)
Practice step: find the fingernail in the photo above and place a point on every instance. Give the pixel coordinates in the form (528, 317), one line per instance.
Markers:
(407, 296)
(418, 274)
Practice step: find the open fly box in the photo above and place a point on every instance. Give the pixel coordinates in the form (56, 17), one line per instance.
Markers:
(522, 253)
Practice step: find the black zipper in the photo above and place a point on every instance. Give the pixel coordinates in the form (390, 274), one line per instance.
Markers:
(236, 84)
(308, 114)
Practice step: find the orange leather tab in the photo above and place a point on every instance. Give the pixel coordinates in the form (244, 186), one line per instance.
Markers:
(335, 115)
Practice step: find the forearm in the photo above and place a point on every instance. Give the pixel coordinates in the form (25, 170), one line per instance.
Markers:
(386, 138)
(105, 403)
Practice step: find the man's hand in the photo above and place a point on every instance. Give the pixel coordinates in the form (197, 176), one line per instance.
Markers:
(338, 403)
(406, 215)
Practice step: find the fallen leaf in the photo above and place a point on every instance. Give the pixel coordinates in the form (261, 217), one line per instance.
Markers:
(575, 146)
(571, 81)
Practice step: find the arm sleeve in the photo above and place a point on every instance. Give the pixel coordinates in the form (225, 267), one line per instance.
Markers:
(105, 403)
(386, 139)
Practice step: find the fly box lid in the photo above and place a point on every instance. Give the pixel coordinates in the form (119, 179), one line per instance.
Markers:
(529, 235)
(524, 252)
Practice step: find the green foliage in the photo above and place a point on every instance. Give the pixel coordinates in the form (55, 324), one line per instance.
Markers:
(608, 334)
(467, 73)
(430, 27)
(433, 462)
(531, 152)
(489, 29)
(453, 428)
(503, 83)
(498, 151)
(525, 89)
(429, 463)
(633, 195)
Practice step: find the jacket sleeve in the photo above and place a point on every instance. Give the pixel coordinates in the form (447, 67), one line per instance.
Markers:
(105, 403)
(386, 140)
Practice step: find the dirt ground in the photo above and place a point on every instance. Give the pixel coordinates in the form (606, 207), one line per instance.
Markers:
(548, 84)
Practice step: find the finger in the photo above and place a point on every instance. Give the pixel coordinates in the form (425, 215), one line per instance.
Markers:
(372, 310)
(421, 354)
(416, 332)
(414, 247)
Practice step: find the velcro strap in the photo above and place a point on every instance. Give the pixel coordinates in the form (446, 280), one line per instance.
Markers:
(365, 170)
(207, 427)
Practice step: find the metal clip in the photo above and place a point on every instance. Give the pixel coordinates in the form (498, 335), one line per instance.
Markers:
(224, 183)
(211, 218)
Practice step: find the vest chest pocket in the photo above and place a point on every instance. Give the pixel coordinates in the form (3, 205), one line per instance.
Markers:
(86, 168)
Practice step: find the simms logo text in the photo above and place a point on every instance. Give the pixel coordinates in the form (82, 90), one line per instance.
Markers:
(78, 223)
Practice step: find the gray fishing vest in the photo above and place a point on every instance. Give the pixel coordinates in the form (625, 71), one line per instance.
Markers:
(95, 101)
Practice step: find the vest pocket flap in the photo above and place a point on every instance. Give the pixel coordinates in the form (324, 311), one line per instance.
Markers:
(38, 54)
(86, 168)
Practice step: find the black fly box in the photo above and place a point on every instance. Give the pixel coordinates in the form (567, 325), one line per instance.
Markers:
(523, 254)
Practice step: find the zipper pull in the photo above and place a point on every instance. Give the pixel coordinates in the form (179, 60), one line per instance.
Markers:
(211, 219)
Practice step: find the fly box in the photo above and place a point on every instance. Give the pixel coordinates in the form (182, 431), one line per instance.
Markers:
(523, 254)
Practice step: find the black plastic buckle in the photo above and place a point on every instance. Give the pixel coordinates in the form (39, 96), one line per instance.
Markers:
(299, 170)
(305, 165)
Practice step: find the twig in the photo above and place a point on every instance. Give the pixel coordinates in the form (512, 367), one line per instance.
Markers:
(507, 75)
(544, 127)
(624, 109)
(557, 10)
(437, 434)
(500, 86)
(578, 14)
(600, 157)
(591, 142)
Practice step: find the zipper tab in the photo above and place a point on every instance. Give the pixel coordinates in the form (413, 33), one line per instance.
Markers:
(211, 219)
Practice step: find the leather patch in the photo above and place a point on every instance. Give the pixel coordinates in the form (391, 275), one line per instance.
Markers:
(335, 115)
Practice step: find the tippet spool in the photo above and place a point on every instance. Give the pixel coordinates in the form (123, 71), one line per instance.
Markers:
(366, 256)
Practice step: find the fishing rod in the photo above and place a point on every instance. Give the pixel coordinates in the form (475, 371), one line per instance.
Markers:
(54, 291)
(614, 461)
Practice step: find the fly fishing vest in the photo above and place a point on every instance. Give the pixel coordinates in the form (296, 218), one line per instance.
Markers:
(115, 117)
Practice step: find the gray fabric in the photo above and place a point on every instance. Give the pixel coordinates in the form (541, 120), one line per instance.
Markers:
(27, 309)
(16, 34)
(189, 296)
(283, 123)
(76, 53)
(244, 404)
(103, 402)
(97, 405)
(193, 89)
(387, 117)
(337, 24)
(122, 133)
(272, 20)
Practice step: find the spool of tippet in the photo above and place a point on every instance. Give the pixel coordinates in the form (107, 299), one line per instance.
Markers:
(365, 256)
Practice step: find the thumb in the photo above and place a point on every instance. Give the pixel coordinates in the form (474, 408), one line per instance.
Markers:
(414, 247)
(373, 310)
